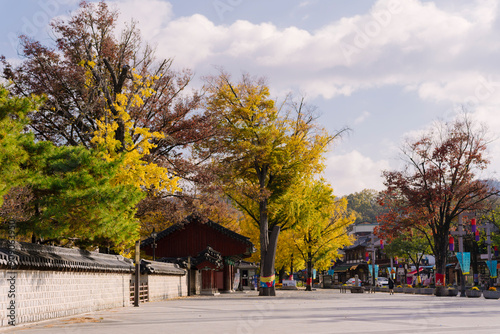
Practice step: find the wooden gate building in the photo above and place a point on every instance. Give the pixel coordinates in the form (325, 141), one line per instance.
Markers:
(208, 249)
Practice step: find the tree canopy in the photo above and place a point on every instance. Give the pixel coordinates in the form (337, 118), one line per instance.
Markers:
(437, 184)
(106, 88)
(365, 206)
(321, 223)
(412, 245)
(71, 192)
(260, 151)
(13, 119)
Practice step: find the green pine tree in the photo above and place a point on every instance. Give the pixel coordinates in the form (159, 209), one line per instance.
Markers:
(75, 195)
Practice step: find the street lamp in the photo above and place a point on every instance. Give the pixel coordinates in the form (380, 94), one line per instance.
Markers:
(153, 235)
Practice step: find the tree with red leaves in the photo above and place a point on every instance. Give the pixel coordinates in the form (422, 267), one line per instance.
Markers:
(85, 77)
(437, 183)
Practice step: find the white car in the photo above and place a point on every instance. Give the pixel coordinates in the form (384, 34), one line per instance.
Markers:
(382, 281)
(352, 281)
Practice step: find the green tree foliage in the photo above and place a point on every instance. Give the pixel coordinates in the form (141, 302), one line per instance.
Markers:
(13, 119)
(260, 151)
(365, 206)
(413, 245)
(76, 199)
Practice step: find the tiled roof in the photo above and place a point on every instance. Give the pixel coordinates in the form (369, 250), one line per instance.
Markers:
(192, 218)
(22, 255)
(161, 268)
(364, 241)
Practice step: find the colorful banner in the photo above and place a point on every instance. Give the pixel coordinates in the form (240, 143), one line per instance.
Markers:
(267, 282)
(464, 261)
(492, 266)
(391, 271)
(371, 270)
(440, 279)
(331, 272)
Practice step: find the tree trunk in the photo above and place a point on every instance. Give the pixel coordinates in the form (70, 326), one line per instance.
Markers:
(264, 238)
(441, 250)
(281, 274)
(309, 273)
(291, 268)
(418, 273)
(267, 263)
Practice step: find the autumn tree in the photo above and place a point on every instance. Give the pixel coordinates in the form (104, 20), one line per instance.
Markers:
(288, 257)
(439, 181)
(321, 223)
(260, 151)
(107, 88)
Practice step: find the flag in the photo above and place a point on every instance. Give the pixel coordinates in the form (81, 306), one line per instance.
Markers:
(464, 261)
(492, 266)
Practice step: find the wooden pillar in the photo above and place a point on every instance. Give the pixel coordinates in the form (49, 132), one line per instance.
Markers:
(227, 278)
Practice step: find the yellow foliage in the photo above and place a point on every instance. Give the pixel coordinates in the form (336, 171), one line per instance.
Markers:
(136, 171)
(321, 221)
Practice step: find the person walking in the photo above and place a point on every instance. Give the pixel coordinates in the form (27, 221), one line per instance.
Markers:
(391, 286)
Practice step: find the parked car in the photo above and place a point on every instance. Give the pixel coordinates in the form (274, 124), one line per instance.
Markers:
(352, 281)
(382, 281)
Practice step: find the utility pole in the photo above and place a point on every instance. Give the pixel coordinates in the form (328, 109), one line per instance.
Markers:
(372, 249)
(461, 233)
(487, 227)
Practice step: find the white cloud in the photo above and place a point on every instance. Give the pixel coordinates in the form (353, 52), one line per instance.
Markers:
(151, 15)
(441, 54)
(362, 117)
(393, 44)
(353, 172)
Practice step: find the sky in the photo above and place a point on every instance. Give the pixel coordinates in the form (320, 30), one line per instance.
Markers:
(386, 69)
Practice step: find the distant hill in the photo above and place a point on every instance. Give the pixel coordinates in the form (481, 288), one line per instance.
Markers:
(494, 183)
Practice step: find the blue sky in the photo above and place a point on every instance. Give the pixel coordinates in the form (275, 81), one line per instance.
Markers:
(385, 68)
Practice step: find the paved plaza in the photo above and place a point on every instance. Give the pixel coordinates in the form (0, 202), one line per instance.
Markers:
(290, 312)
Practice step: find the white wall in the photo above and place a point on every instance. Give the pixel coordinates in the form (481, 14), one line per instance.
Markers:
(41, 295)
(166, 287)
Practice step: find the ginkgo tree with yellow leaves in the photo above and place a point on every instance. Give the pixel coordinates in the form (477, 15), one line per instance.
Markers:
(260, 151)
(321, 223)
(115, 136)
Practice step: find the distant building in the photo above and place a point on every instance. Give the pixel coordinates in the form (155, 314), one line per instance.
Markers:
(354, 261)
(361, 229)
